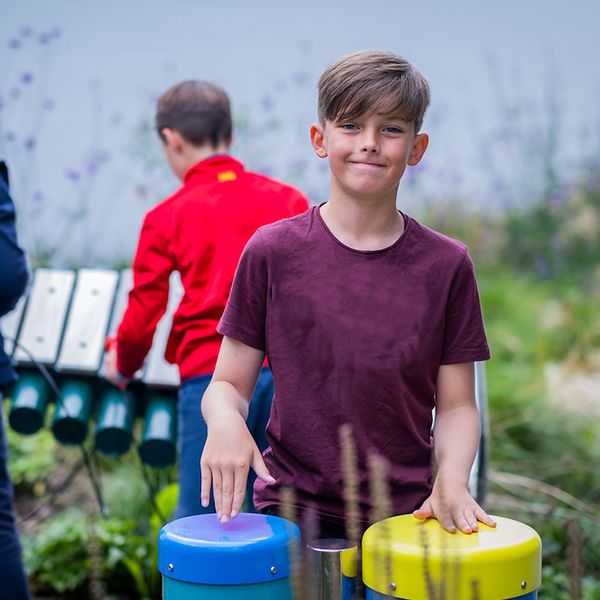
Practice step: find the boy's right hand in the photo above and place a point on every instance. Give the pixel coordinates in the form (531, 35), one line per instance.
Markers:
(228, 453)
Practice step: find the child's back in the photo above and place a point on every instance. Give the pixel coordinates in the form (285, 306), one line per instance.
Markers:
(200, 231)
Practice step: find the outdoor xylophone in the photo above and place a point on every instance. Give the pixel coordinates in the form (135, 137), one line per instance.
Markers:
(61, 327)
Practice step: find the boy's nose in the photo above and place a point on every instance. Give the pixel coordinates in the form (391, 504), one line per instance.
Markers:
(369, 144)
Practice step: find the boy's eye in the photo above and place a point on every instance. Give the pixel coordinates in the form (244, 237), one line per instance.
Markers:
(392, 129)
(348, 126)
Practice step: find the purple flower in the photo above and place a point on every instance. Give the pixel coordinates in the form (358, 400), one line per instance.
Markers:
(499, 183)
(101, 156)
(511, 111)
(115, 119)
(29, 143)
(265, 170)
(255, 130)
(72, 174)
(141, 191)
(304, 46)
(558, 197)
(9, 136)
(56, 32)
(593, 184)
(26, 31)
(14, 43)
(26, 77)
(44, 38)
(557, 244)
(540, 264)
(301, 77)
(37, 196)
(267, 103)
(92, 167)
(48, 104)
(15, 93)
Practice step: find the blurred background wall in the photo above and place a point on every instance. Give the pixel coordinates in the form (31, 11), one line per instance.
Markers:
(515, 100)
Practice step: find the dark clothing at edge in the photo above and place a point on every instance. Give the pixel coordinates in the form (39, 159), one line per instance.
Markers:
(13, 281)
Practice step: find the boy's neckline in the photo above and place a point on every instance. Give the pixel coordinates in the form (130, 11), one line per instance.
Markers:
(400, 238)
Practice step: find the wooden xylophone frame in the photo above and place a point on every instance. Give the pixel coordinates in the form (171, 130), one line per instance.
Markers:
(56, 337)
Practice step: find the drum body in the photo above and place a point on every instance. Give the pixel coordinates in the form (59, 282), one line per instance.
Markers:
(416, 560)
(246, 559)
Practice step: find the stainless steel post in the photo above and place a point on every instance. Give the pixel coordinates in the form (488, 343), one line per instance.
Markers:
(333, 569)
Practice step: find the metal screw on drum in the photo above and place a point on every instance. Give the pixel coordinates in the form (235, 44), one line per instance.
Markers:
(523, 585)
(273, 569)
(393, 586)
(170, 567)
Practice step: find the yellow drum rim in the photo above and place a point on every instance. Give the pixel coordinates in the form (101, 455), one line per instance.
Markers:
(401, 556)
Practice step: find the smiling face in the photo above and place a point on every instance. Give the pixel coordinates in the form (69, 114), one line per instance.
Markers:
(368, 154)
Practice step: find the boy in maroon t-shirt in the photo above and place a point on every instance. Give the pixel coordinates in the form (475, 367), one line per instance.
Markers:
(199, 231)
(368, 318)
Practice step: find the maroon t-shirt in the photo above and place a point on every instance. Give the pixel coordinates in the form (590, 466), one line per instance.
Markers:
(354, 337)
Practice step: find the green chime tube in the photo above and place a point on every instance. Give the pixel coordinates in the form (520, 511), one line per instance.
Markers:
(29, 403)
(157, 448)
(114, 426)
(73, 413)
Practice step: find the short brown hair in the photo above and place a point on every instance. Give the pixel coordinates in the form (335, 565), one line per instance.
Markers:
(372, 81)
(199, 111)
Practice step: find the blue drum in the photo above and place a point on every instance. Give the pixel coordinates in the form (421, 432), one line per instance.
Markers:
(246, 559)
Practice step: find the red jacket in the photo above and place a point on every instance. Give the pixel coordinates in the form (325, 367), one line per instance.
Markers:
(199, 231)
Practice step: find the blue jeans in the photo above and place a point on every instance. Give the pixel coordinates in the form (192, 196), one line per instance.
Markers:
(13, 583)
(192, 433)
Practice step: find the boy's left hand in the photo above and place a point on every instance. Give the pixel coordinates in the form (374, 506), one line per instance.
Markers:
(454, 508)
(111, 372)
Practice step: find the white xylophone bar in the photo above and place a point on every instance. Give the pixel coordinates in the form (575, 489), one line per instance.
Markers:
(82, 346)
(44, 317)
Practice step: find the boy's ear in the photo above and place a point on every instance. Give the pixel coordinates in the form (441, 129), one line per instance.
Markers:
(419, 146)
(317, 139)
(172, 139)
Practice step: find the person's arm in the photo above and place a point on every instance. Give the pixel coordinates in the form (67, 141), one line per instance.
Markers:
(230, 450)
(147, 302)
(456, 436)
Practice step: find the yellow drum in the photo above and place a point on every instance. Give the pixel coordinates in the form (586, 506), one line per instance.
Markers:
(418, 560)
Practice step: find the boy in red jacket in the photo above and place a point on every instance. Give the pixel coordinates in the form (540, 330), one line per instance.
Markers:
(199, 231)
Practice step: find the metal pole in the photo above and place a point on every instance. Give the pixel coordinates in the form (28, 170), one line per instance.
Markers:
(333, 565)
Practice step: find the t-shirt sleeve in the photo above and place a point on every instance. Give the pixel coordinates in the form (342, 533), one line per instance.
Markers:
(464, 333)
(244, 318)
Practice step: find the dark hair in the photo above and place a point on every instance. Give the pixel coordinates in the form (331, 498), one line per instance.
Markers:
(199, 111)
(372, 81)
